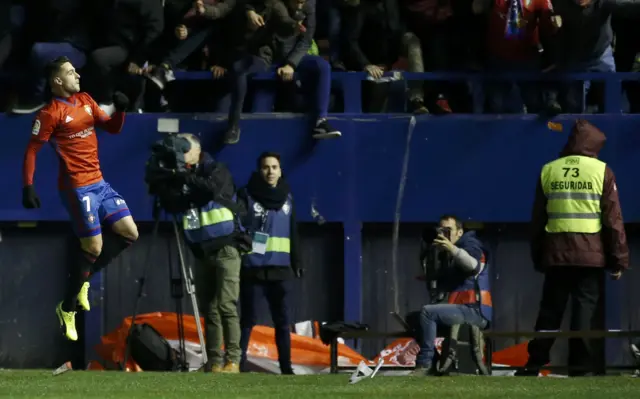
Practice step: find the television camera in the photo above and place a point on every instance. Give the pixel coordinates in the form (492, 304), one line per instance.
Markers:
(434, 262)
(164, 173)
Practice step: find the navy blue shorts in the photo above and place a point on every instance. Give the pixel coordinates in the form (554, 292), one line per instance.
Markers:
(92, 205)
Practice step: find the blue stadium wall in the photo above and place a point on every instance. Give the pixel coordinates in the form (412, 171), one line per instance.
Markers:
(482, 168)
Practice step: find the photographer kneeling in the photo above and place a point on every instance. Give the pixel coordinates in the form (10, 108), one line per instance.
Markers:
(463, 280)
(212, 231)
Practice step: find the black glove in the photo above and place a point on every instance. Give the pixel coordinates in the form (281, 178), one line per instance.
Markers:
(30, 199)
(298, 273)
(120, 101)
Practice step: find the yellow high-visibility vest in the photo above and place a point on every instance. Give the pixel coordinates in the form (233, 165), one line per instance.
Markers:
(573, 186)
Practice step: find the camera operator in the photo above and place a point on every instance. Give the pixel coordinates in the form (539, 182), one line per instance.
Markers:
(273, 262)
(464, 278)
(212, 231)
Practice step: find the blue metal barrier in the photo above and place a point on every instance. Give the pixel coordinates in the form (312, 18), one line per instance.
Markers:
(481, 167)
(351, 82)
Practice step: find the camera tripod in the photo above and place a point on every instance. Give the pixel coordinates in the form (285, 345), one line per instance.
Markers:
(177, 277)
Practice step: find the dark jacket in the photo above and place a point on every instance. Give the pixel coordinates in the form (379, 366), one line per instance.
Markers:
(586, 31)
(213, 181)
(470, 248)
(213, 10)
(608, 248)
(67, 21)
(276, 43)
(421, 14)
(175, 13)
(218, 9)
(134, 25)
(275, 273)
(373, 30)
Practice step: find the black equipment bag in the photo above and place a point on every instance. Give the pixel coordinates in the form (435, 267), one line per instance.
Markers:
(150, 350)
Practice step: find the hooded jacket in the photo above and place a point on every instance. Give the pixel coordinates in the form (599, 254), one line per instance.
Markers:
(608, 248)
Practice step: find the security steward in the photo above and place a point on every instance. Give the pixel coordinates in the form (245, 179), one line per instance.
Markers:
(212, 231)
(465, 280)
(269, 269)
(578, 236)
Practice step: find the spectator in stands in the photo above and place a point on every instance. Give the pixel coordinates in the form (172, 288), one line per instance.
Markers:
(131, 26)
(11, 16)
(282, 35)
(193, 33)
(331, 11)
(429, 20)
(627, 55)
(375, 39)
(513, 43)
(59, 28)
(584, 42)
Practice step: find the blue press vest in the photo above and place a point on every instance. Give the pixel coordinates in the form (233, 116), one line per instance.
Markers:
(208, 222)
(475, 290)
(277, 224)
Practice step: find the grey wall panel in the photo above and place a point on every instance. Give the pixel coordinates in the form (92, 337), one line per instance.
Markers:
(516, 286)
(121, 278)
(317, 296)
(32, 277)
(378, 285)
(34, 268)
(629, 287)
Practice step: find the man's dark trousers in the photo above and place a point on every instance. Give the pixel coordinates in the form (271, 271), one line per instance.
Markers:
(585, 286)
(252, 292)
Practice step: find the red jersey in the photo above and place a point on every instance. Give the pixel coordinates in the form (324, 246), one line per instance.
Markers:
(68, 125)
(536, 14)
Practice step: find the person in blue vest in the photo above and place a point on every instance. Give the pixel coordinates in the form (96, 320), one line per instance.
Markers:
(213, 232)
(268, 270)
(465, 279)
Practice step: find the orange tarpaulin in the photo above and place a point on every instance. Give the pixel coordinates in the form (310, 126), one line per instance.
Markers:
(306, 351)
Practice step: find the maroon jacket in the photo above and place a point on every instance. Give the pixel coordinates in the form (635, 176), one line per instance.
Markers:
(608, 248)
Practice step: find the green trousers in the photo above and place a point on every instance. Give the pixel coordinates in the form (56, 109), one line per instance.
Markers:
(218, 288)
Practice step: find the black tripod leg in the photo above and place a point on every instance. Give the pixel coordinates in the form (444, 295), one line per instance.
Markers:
(177, 294)
(477, 343)
(188, 281)
(154, 236)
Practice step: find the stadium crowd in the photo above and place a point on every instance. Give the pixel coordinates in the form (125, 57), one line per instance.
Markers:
(136, 45)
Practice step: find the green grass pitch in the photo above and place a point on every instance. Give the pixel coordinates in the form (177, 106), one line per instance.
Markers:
(85, 385)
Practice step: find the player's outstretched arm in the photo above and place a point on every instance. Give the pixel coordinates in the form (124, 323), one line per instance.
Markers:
(41, 131)
(112, 124)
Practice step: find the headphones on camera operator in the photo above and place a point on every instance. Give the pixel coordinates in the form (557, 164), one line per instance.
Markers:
(434, 262)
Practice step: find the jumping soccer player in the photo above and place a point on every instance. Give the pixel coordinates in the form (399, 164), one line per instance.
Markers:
(67, 122)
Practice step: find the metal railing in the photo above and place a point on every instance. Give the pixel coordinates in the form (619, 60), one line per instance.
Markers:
(489, 336)
(351, 82)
